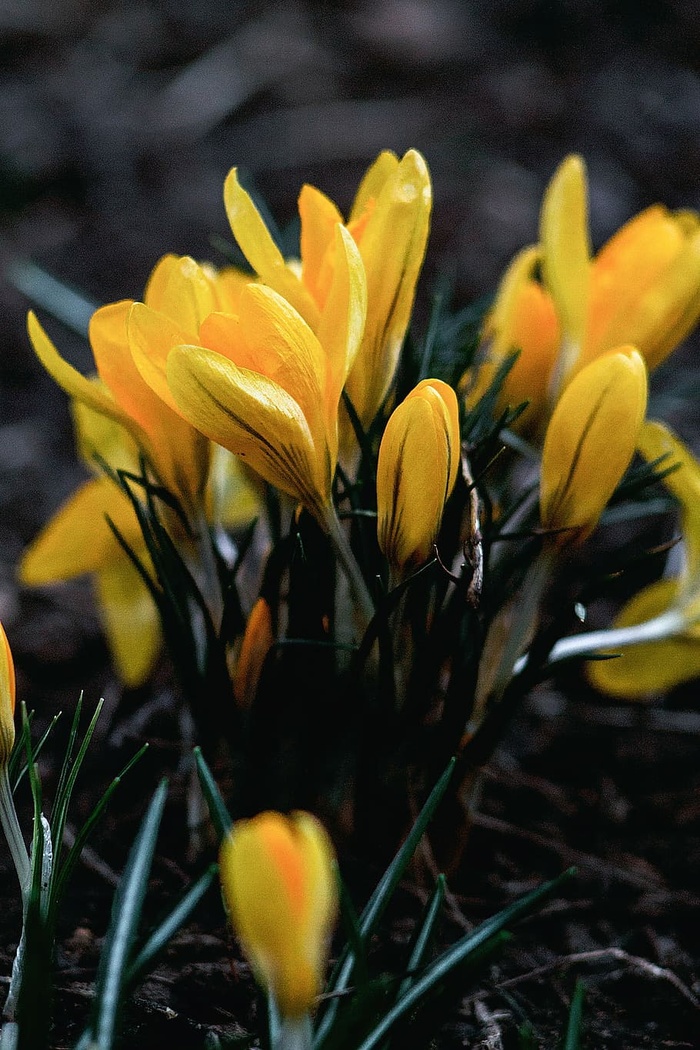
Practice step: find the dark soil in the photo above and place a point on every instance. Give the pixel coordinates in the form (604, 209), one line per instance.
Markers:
(119, 123)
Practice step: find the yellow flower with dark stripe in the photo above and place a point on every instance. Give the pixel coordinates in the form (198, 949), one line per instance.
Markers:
(389, 222)
(590, 442)
(265, 386)
(416, 472)
(179, 294)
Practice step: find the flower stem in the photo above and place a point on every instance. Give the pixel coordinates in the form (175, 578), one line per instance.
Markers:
(654, 630)
(209, 576)
(295, 1033)
(13, 834)
(352, 570)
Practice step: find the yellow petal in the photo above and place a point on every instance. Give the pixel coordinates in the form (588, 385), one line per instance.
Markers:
(416, 471)
(523, 319)
(651, 669)
(230, 282)
(278, 879)
(270, 338)
(392, 247)
(590, 441)
(7, 699)
(99, 438)
(180, 454)
(78, 539)
(182, 290)
(262, 253)
(341, 327)
(77, 385)
(373, 180)
(117, 367)
(254, 418)
(668, 312)
(130, 619)
(319, 217)
(626, 270)
(233, 497)
(151, 337)
(566, 253)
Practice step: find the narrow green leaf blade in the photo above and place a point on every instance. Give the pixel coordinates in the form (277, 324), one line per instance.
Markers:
(167, 929)
(126, 914)
(573, 1029)
(221, 818)
(458, 954)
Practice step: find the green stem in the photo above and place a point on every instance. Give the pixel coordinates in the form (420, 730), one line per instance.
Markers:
(13, 834)
(352, 570)
(294, 1033)
(209, 576)
(525, 614)
(663, 626)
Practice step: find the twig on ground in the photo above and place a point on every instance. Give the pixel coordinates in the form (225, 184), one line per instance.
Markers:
(636, 962)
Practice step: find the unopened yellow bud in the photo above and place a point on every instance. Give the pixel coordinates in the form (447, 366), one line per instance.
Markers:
(590, 442)
(416, 472)
(278, 879)
(7, 699)
(257, 641)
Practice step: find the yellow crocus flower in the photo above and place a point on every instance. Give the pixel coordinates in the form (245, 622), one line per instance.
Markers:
(389, 222)
(654, 667)
(181, 293)
(264, 386)
(279, 884)
(416, 472)
(642, 288)
(590, 441)
(7, 700)
(523, 320)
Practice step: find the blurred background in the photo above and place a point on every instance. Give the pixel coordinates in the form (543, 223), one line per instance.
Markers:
(120, 120)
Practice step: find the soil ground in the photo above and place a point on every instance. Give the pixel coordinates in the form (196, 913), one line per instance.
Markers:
(119, 122)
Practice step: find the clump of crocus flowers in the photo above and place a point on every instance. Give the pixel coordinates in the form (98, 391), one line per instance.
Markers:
(327, 508)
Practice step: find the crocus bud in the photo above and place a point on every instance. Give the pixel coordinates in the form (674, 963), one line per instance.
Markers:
(7, 699)
(257, 641)
(278, 879)
(416, 472)
(590, 442)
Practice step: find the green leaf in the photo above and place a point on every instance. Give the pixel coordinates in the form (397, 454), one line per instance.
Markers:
(343, 972)
(456, 955)
(67, 779)
(351, 924)
(423, 936)
(167, 929)
(17, 766)
(62, 876)
(126, 915)
(220, 816)
(573, 1028)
